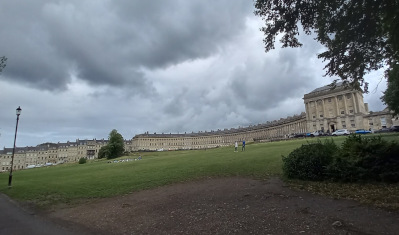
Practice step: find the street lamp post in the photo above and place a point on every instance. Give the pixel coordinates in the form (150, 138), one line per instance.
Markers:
(13, 150)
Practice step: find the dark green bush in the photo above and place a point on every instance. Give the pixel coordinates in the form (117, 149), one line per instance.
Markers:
(309, 162)
(366, 159)
(82, 160)
(341, 169)
(358, 159)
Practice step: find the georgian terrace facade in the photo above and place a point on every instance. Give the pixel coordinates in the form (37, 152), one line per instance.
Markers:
(275, 130)
(53, 153)
(326, 110)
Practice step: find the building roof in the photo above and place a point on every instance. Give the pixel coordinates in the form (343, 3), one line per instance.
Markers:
(332, 88)
(225, 131)
(327, 87)
(52, 146)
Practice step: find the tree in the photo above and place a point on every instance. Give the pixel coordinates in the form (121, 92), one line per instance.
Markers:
(360, 35)
(391, 95)
(103, 152)
(3, 61)
(115, 146)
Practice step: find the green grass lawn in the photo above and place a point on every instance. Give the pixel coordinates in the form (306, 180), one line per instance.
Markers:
(95, 179)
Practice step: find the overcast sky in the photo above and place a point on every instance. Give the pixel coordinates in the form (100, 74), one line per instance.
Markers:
(81, 68)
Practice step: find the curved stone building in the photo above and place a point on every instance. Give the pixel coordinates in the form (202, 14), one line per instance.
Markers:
(326, 110)
(262, 132)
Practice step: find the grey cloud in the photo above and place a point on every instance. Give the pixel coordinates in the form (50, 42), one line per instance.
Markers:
(107, 42)
(137, 66)
(264, 86)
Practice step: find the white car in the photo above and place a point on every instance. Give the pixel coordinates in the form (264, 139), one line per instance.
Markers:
(340, 132)
(316, 133)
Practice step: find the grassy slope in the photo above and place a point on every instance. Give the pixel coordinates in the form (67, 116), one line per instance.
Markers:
(69, 182)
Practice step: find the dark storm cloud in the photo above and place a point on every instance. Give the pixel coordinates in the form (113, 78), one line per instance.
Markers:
(109, 42)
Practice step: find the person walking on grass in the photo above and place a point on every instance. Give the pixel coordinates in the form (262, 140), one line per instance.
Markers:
(236, 147)
(243, 146)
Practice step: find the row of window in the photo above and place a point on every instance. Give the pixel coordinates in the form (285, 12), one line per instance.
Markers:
(15, 168)
(348, 96)
(330, 114)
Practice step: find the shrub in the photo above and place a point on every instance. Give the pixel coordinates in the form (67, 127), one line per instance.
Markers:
(366, 159)
(341, 169)
(82, 160)
(358, 159)
(309, 162)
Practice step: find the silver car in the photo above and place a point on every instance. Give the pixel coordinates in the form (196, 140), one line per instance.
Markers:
(340, 132)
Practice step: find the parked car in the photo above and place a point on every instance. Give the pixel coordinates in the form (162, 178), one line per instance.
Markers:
(362, 131)
(317, 133)
(395, 128)
(297, 135)
(340, 132)
(314, 133)
(383, 130)
(291, 135)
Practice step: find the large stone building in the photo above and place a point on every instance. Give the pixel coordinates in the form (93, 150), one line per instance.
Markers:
(342, 108)
(275, 130)
(326, 110)
(50, 153)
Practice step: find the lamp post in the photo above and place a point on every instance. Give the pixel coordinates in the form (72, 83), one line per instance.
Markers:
(13, 150)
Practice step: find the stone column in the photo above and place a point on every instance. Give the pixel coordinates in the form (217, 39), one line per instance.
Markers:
(345, 105)
(336, 106)
(355, 103)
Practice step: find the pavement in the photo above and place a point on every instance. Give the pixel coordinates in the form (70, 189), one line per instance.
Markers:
(16, 220)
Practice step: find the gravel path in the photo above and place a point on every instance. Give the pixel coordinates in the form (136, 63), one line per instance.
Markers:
(227, 206)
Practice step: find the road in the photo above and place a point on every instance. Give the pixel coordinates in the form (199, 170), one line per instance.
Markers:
(16, 220)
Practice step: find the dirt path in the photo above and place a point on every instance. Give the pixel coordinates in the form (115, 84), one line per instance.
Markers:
(226, 206)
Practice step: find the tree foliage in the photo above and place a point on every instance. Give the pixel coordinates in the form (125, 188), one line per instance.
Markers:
(103, 152)
(391, 95)
(115, 146)
(3, 61)
(359, 35)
